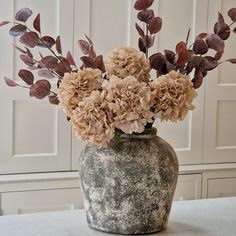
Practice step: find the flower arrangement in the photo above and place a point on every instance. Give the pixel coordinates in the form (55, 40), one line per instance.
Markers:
(117, 93)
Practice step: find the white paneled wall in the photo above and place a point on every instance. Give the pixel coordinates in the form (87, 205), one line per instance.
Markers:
(35, 136)
(220, 102)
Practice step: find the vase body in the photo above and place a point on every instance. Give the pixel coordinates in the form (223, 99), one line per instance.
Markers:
(129, 186)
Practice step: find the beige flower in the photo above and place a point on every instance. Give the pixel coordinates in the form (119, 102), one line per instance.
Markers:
(76, 86)
(129, 101)
(92, 120)
(127, 61)
(173, 95)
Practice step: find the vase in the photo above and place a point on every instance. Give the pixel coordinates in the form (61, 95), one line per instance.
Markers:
(128, 187)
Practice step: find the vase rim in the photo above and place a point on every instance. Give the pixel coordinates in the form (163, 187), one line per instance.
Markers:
(147, 133)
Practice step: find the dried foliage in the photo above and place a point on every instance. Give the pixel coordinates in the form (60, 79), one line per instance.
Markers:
(101, 95)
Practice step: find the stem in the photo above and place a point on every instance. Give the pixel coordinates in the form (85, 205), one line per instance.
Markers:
(146, 36)
(188, 36)
(27, 87)
(45, 45)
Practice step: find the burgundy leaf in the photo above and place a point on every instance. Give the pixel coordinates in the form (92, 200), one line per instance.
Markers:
(219, 55)
(182, 53)
(17, 30)
(92, 54)
(30, 39)
(215, 42)
(23, 14)
(46, 73)
(49, 62)
(37, 24)
(27, 60)
(169, 66)
(200, 46)
(53, 99)
(140, 31)
(4, 23)
(202, 35)
(224, 33)
(143, 4)
(197, 80)
(99, 63)
(58, 45)
(170, 56)
(40, 89)
(10, 82)
(220, 25)
(70, 59)
(66, 64)
(157, 61)
(62, 68)
(26, 76)
(19, 49)
(46, 41)
(142, 45)
(233, 60)
(146, 15)
(221, 28)
(209, 63)
(88, 62)
(150, 40)
(84, 46)
(195, 61)
(232, 14)
(155, 25)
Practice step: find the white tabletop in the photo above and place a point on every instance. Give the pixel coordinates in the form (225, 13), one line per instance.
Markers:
(212, 217)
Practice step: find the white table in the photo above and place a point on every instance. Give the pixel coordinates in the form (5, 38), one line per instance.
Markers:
(212, 217)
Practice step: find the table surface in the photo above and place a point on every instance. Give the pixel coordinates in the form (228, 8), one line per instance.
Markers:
(211, 217)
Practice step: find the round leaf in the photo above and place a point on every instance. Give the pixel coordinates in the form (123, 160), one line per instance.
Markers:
(46, 73)
(155, 25)
(182, 53)
(58, 45)
(53, 100)
(10, 82)
(23, 14)
(215, 42)
(36, 23)
(84, 46)
(146, 16)
(232, 14)
(40, 89)
(27, 60)
(46, 41)
(200, 46)
(30, 39)
(143, 4)
(17, 30)
(49, 62)
(26, 76)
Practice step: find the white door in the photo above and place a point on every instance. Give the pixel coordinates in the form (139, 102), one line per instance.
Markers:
(220, 101)
(34, 135)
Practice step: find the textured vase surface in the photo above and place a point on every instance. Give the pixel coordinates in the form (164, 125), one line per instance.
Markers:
(129, 186)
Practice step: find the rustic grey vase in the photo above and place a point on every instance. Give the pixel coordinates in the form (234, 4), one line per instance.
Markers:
(128, 187)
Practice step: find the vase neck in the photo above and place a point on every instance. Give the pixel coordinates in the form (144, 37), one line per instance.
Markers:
(147, 133)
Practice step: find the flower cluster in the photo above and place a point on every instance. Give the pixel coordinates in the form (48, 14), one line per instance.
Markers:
(124, 99)
(118, 93)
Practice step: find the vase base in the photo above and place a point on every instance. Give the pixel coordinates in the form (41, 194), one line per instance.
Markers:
(127, 233)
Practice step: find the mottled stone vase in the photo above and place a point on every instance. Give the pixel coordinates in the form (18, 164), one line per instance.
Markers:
(129, 186)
